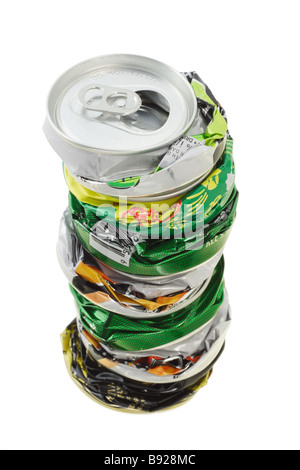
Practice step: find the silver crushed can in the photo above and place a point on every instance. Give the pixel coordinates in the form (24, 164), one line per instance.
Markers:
(115, 117)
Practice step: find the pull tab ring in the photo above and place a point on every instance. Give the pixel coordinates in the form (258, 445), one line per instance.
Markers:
(115, 101)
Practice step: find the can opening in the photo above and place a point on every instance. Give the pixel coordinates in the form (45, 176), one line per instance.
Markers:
(153, 113)
(151, 109)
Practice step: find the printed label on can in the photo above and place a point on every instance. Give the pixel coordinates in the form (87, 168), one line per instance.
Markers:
(178, 150)
(116, 244)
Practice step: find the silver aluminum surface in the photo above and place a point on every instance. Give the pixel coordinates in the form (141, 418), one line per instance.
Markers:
(70, 252)
(209, 338)
(176, 180)
(149, 286)
(115, 116)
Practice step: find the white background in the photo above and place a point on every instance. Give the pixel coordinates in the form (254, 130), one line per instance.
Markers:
(248, 54)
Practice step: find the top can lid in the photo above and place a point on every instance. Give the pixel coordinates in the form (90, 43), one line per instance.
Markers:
(121, 105)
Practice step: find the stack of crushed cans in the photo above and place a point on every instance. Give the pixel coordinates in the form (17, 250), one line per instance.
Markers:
(147, 158)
